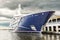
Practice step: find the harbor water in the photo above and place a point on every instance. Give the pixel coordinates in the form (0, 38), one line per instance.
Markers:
(9, 35)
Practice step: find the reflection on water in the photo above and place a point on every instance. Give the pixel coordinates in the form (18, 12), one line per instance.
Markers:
(51, 37)
(27, 36)
(8, 35)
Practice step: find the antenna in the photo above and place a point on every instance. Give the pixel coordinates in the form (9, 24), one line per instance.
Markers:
(19, 9)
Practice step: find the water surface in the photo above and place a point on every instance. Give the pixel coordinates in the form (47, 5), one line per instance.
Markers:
(8, 35)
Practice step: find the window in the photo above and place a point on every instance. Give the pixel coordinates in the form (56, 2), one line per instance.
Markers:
(54, 28)
(58, 26)
(59, 30)
(58, 19)
(50, 28)
(46, 29)
(49, 21)
(54, 20)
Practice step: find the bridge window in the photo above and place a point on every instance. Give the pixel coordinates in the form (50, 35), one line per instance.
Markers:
(58, 19)
(50, 28)
(49, 21)
(54, 20)
(54, 28)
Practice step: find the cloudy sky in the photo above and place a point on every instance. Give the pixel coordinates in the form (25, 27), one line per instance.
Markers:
(29, 4)
(40, 4)
(8, 7)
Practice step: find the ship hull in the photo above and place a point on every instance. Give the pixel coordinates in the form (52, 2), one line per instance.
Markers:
(33, 22)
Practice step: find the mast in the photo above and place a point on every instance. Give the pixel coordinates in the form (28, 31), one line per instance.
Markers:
(16, 17)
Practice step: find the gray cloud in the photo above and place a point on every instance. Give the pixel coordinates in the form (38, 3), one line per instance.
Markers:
(40, 4)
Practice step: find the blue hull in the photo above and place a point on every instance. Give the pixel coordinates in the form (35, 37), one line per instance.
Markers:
(34, 22)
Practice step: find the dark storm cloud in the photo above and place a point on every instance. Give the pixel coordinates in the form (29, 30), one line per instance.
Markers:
(44, 4)
(40, 4)
(12, 4)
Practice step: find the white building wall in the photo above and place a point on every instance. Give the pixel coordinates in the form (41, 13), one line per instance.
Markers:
(52, 24)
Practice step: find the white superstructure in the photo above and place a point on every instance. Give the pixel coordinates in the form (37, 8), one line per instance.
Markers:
(52, 25)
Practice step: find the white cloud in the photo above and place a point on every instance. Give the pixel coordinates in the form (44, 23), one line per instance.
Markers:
(7, 12)
(4, 19)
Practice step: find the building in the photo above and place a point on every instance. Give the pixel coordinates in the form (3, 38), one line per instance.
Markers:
(52, 25)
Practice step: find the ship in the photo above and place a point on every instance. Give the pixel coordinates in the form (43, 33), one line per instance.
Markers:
(33, 22)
